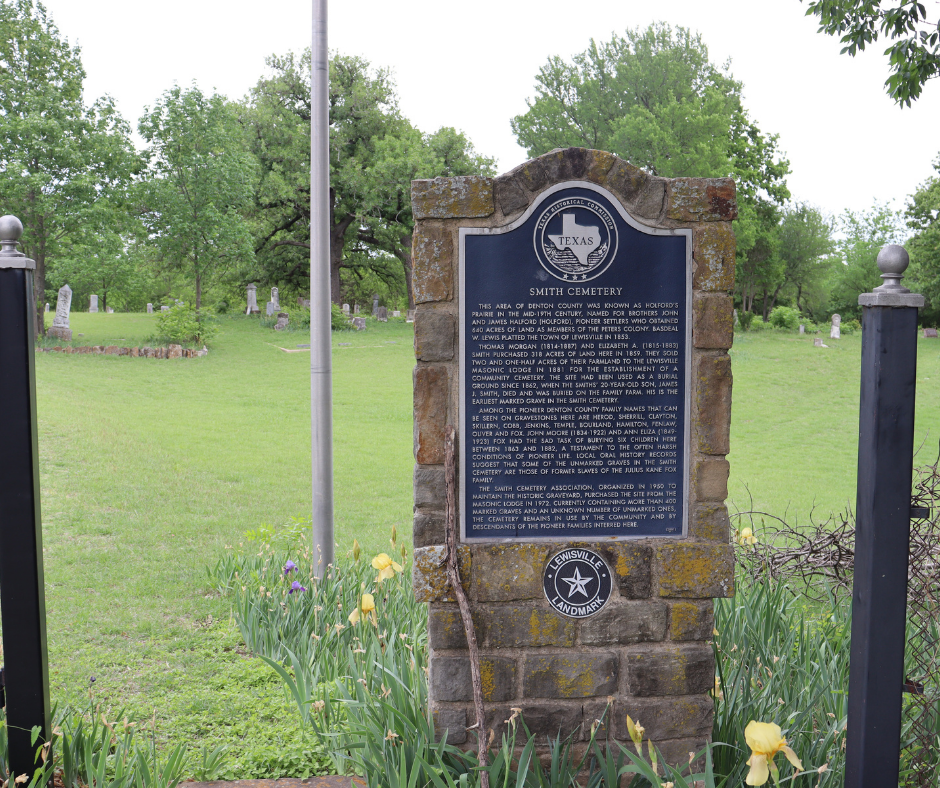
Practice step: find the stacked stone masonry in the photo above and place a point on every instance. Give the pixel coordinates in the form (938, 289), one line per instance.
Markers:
(647, 653)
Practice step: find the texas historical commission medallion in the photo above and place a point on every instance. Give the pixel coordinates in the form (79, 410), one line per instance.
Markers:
(577, 582)
(575, 239)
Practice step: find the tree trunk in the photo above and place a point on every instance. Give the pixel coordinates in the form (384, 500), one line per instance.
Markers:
(337, 242)
(404, 254)
(198, 292)
(39, 293)
(104, 300)
(799, 295)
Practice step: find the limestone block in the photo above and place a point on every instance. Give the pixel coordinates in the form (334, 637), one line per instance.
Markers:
(435, 335)
(429, 486)
(430, 413)
(713, 404)
(643, 194)
(429, 575)
(710, 521)
(713, 250)
(628, 622)
(174, 351)
(677, 670)
(668, 718)
(631, 564)
(468, 196)
(712, 321)
(691, 620)
(710, 479)
(570, 675)
(432, 257)
(701, 199)
(428, 529)
(445, 628)
(111, 350)
(450, 678)
(504, 573)
(453, 721)
(510, 195)
(520, 626)
(695, 570)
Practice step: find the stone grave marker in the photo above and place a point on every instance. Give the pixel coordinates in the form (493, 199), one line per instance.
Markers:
(93, 307)
(346, 309)
(60, 323)
(149, 309)
(802, 329)
(275, 298)
(396, 313)
(269, 307)
(737, 320)
(930, 333)
(164, 309)
(835, 332)
(411, 316)
(300, 301)
(562, 329)
(817, 342)
(356, 309)
(47, 306)
(110, 311)
(282, 319)
(381, 314)
(252, 297)
(359, 323)
(375, 305)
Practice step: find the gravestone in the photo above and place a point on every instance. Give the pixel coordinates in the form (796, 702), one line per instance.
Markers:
(110, 311)
(375, 305)
(930, 333)
(356, 309)
(93, 307)
(282, 320)
(269, 307)
(149, 309)
(164, 309)
(396, 313)
(737, 320)
(275, 298)
(817, 342)
(252, 297)
(346, 309)
(47, 306)
(306, 303)
(60, 323)
(562, 328)
(381, 314)
(835, 332)
(802, 329)
(359, 323)
(411, 316)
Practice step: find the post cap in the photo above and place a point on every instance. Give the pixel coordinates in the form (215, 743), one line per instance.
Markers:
(892, 261)
(11, 229)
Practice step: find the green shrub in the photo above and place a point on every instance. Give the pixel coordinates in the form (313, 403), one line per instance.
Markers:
(745, 319)
(851, 326)
(758, 324)
(338, 319)
(182, 324)
(784, 317)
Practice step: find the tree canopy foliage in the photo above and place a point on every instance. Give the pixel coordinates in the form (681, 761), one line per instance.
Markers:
(914, 51)
(923, 217)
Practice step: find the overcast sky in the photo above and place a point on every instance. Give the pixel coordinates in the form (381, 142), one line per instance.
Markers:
(473, 65)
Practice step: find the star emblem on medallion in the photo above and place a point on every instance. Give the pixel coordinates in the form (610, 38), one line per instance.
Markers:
(566, 276)
(577, 584)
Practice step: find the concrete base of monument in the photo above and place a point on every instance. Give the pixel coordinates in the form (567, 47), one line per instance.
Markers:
(60, 333)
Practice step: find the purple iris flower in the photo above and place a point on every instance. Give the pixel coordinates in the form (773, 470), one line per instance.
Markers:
(296, 586)
(289, 567)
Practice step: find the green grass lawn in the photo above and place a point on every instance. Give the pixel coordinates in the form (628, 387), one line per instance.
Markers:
(150, 468)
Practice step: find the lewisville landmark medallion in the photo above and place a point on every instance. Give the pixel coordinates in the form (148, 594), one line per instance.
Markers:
(577, 582)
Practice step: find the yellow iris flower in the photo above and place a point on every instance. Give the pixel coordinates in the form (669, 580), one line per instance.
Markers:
(386, 566)
(636, 732)
(765, 740)
(747, 537)
(367, 608)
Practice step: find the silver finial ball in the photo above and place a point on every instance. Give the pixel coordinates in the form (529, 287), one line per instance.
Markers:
(11, 228)
(892, 260)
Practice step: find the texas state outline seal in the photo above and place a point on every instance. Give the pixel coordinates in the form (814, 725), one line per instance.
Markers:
(575, 239)
(577, 582)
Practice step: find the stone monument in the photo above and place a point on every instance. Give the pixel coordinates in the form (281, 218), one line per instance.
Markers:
(47, 306)
(381, 314)
(93, 307)
(149, 309)
(252, 300)
(110, 311)
(929, 333)
(564, 330)
(375, 304)
(359, 323)
(282, 320)
(836, 331)
(164, 309)
(269, 308)
(411, 316)
(356, 309)
(275, 299)
(346, 309)
(60, 323)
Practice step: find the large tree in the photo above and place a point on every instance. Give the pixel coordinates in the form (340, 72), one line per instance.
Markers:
(63, 165)
(654, 98)
(923, 217)
(374, 155)
(914, 51)
(199, 185)
(805, 243)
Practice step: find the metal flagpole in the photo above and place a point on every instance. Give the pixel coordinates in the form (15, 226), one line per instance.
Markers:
(321, 384)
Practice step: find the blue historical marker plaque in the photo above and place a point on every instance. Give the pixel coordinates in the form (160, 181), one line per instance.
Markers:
(575, 334)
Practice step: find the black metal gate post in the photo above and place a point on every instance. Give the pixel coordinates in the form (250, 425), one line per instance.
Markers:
(22, 592)
(882, 526)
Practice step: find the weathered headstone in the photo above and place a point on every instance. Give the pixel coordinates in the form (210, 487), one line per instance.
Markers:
(356, 309)
(562, 328)
(282, 320)
(802, 329)
(93, 307)
(411, 316)
(47, 306)
(381, 314)
(275, 298)
(149, 309)
(346, 309)
(164, 309)
(60, 323)
(306, 303)
(817, 342)
(269, 307)
(252, 297)
(930, 333)
(835, 332)
(110, 311)
(375, 305)
(396, 313)
(737, 320)
(359, 323)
